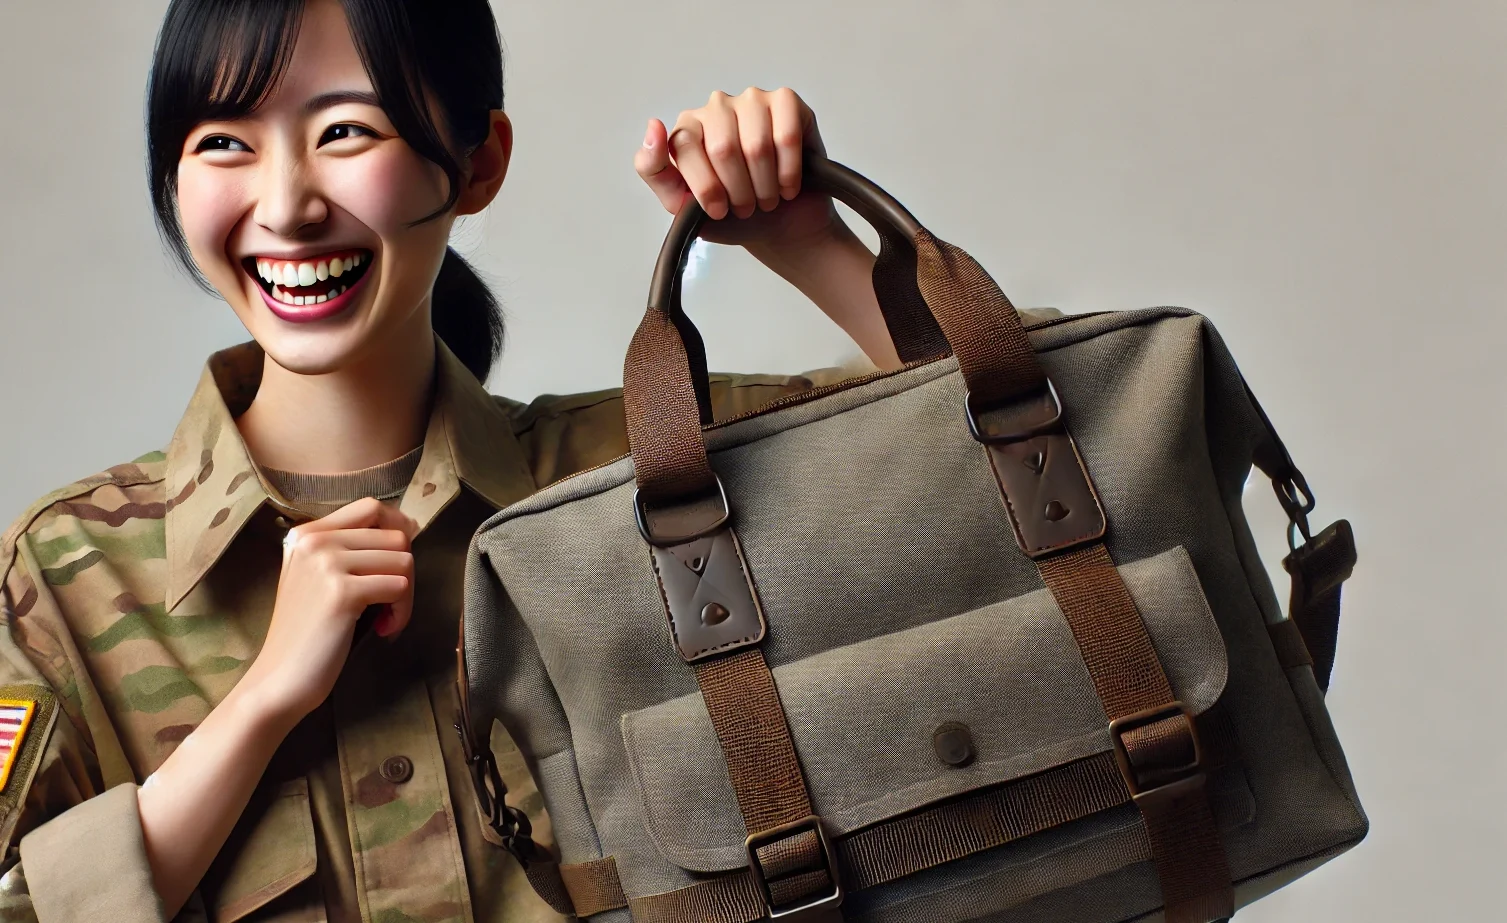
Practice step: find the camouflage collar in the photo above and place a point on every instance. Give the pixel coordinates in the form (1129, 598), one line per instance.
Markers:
(213, 486)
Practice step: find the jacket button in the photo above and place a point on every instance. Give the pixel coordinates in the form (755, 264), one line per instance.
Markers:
(397, 769)
(953, 743)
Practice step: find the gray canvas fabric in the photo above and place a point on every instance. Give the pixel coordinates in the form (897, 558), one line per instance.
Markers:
(875, 533)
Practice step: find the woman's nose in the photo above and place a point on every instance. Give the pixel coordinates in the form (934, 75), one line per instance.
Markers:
(289, 202)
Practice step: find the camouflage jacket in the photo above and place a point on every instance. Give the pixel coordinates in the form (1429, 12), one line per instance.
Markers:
(135, 599)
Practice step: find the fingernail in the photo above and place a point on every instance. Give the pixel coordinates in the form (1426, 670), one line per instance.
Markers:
(649, 136)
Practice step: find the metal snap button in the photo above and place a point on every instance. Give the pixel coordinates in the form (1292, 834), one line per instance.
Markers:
(397, 769)
(953, 743)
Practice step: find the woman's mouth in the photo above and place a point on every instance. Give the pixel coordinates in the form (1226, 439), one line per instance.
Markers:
(303, 291)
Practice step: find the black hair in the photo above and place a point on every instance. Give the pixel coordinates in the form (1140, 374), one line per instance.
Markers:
(220, 59)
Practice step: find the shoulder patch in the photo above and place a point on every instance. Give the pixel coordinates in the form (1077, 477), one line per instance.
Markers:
(15, 721)
(28, 712)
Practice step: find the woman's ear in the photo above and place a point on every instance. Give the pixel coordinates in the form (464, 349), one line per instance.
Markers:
(488, 166)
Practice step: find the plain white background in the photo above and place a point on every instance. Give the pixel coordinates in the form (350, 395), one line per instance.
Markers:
(1326, 180)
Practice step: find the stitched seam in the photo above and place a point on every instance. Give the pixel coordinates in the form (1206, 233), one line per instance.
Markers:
(437, 771)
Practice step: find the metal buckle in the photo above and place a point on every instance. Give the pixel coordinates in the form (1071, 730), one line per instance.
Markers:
(1035, 429)
(1179, 775)
(757, 841)
(1297, 502)
(640, 514)
(511, 824)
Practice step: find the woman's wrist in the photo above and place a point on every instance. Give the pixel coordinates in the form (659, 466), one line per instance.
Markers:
(259, 710)
(836, 271)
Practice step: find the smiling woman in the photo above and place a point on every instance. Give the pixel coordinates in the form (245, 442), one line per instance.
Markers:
(243, 92)
(211, 727)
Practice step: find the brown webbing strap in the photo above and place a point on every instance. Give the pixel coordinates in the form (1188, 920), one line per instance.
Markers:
(917, 842)
(986, 333)
(746, 713)
(1185, 845)
(544, 877)
(750, 722)
(663, 419)
(729, 899)
(594, 886)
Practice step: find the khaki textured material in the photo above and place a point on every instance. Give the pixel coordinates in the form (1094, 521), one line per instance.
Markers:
(899, 601)
(140, 595)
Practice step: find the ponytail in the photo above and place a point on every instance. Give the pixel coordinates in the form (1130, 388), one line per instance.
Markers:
(466, 315)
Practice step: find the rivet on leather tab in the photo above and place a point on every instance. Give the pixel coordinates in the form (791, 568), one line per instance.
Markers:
(714, 614)
(1055, 511)
(1035, 461)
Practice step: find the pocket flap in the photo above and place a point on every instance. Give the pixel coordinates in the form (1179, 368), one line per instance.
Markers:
(863, 717)
(269, 853)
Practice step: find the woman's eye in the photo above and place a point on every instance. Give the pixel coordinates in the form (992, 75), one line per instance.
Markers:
(220, 143)
(342, 132)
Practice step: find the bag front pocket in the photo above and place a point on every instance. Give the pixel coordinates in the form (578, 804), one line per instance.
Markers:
(994, 702)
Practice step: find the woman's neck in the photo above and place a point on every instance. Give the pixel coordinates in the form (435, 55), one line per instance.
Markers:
(370, 412)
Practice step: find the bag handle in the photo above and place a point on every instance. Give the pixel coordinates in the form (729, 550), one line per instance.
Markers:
(935, 298)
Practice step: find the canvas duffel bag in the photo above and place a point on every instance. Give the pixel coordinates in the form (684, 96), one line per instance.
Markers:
(985, 638)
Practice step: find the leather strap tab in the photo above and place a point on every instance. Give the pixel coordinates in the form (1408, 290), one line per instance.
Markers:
(710, 600)
(1319, 568)
(1050, 499)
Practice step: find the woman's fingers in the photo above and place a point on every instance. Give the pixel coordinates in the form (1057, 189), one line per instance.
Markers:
(722, 140)
(375, 589)
(367, 562)
(696, 170)
(653, 164)
(735, 155)
(364, 539)
(793, 126)
(756, 134)
(363, 514)
(396, 609)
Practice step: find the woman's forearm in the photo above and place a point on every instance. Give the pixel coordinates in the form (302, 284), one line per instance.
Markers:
(191, 803)
(838, 275)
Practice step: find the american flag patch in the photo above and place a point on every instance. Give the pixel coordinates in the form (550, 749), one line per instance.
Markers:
(15, 719)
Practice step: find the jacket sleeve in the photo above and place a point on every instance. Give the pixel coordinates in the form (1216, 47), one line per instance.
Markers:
(72, 849)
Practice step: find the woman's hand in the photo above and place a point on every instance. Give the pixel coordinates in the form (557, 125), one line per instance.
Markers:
(333, 569)
(741, 157)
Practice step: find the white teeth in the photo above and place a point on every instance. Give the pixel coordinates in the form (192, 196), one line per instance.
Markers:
(289, 274)
(321, 299)
(306, 274)
(322, 271)
(281, 295)
(337, 268)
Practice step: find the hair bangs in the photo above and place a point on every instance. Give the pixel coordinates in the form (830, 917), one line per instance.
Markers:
(215, 61)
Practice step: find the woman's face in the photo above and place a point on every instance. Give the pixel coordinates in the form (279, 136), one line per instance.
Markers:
(300, 213)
